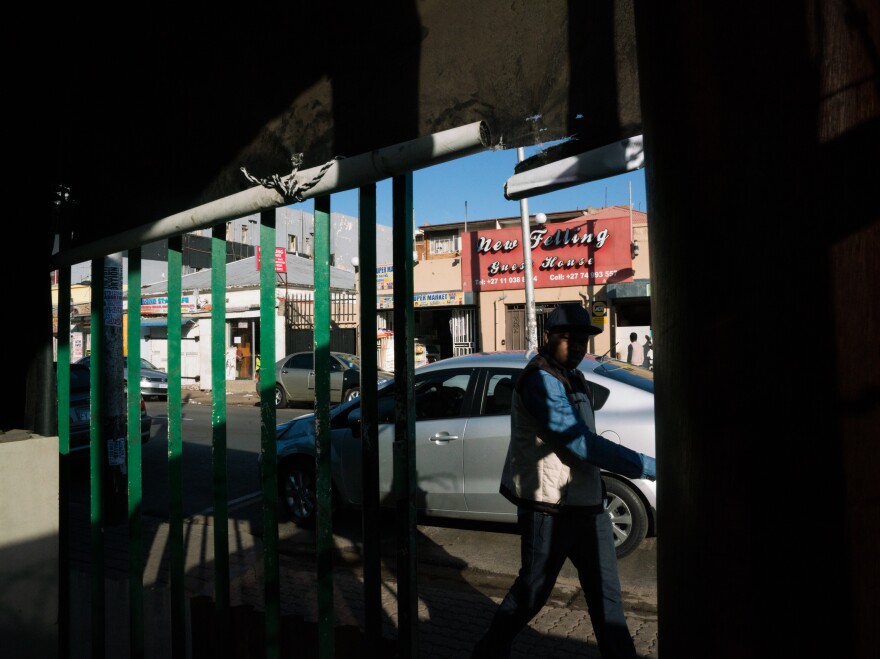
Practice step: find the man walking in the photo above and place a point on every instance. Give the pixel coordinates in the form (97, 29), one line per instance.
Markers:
(552, 474)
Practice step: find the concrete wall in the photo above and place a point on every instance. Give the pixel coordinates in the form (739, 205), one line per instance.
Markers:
(28, 545)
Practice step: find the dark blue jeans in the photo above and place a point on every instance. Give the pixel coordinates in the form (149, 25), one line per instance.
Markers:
(546, 540)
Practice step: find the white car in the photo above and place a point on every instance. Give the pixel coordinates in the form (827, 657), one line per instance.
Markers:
(462, 429)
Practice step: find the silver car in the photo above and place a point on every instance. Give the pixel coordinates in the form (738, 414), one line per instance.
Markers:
(295, 378)
(462, 429)
(154, 382)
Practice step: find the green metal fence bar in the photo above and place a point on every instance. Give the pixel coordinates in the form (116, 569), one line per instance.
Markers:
(96, 459)
(268, 451)
(369, 418)
(219, 436)
(404, 434)
(63, 384)
(175, 451)
(135, 484)
(326, 624)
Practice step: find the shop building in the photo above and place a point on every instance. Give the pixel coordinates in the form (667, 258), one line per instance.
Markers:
(470, 288)
(294, 316)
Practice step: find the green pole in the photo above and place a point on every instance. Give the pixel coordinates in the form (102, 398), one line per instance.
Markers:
(175, 451)
(219, 435)
(135, 485)
(369, 421)
(322, 428)
(269, 458)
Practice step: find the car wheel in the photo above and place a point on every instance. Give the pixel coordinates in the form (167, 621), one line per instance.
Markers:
(351, 394)
(629, 521)
(299, 491)
(280, 397)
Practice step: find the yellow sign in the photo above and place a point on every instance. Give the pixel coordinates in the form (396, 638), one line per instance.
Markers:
(599, 313)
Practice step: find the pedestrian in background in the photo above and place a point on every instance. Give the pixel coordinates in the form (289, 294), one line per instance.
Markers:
(552, 474)
(232, 357)
(635, 354)
(648, 349)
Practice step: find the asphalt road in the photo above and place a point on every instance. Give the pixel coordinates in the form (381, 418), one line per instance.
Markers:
(242, 451)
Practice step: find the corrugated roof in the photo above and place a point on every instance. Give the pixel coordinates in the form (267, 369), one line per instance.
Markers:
(244, 274)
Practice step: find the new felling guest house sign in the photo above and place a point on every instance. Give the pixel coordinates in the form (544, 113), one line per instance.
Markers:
(579, 252)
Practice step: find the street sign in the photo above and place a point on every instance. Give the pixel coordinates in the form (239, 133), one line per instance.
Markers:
(280, 259)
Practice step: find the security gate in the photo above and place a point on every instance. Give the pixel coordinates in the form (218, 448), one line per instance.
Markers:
(115, 457)
(462, 325)
(299, 313)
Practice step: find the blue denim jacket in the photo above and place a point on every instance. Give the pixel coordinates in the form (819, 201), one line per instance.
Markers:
(572, 429)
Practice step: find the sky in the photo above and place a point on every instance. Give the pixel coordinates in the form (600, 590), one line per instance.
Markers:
(472, 188)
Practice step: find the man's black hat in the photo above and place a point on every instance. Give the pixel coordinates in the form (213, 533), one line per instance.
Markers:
(571, 317)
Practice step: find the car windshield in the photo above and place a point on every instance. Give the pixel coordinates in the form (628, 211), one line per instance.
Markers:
(623, 372)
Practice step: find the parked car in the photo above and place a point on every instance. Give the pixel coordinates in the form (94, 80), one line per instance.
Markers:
(80, 410)
(462, 429)
(154, 382)
(295, 378)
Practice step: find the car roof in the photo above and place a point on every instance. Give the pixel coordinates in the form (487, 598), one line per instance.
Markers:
(500, 358)
(591, 364)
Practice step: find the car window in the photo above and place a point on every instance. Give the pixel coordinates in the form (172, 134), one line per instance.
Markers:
(439, 395)
(498, 392)
(79, 377)
(304, 360)
(350, 361)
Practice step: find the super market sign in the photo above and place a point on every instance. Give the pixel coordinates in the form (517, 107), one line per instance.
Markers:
(445, 298)
(159, 305)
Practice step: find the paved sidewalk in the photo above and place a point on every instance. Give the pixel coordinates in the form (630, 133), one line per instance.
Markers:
(455, 603)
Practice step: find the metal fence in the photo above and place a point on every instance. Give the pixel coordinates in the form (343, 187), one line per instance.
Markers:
(115, 461)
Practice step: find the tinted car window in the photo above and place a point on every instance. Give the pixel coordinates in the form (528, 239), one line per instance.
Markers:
(439, 395)
(498, 392)
(79, 377)
(350, 361)
(304, 360)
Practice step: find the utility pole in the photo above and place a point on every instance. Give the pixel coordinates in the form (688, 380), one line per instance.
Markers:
(114, 422)
(531, 319)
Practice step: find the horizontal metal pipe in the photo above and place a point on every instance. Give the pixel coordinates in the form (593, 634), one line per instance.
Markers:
(343, 174)
(607, 161)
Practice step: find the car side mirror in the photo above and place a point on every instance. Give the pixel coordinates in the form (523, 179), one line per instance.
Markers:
(598, 395)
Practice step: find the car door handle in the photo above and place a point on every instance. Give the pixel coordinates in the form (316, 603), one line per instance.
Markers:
(442, 437)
